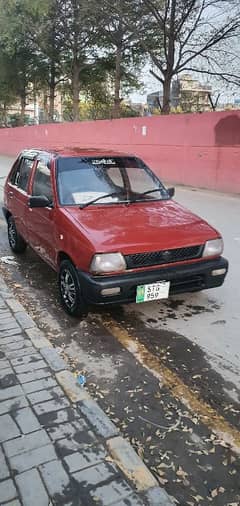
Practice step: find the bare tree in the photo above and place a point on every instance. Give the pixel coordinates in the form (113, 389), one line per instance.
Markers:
(192, 35)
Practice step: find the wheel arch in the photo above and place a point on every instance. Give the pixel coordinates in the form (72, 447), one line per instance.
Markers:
(6, 213)
(62, 255)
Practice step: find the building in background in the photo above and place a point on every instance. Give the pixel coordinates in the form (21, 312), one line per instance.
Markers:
(187, 95)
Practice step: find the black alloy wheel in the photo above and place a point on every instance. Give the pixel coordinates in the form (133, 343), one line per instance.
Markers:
(16, 242)
(70, 290)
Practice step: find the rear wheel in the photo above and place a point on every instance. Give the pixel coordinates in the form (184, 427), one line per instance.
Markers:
(16, 242)
(70, 290)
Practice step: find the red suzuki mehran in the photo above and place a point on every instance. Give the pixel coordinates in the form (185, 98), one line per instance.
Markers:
(105, 222)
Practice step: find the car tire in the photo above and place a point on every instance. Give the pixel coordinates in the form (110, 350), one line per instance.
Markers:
(16, 242)
(70, 291)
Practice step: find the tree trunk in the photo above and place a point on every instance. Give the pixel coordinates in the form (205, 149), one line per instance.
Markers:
(117, 83)
(166, 96)
(5, 115)
(23, 107)
(52, 86)
(45, 106)
(76, 90)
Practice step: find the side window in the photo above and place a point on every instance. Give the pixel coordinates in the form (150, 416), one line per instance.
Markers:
(21, 173)
(42, 181)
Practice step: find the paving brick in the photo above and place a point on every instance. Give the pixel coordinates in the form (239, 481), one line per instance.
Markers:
(31, 367)
(33, 458)
(58, 417)
(42, 384)
(26, 420)
(32, 490)
(56, 481)
(4, 364)
(15, 346)
(4, 471)
(112, 492)
(67, 430)
(49, 406)
(29, 350)
(8, 393)
(37, 338)
(131, 500)
(93, 476)
(24, 320)
(96, 416)
(7, 339)
(26, 443)
(5, 316)
(27, 359)
(7, 491)
(8, 379)
(70, 386)
(11, 405)
(66, 447)
(8, 428)
(131, 464)
(5, 372)
(45, 395)
(15, 502)
(9, 334)
(53, 359)
(86, 458)
(14, 305)
(158, 497)
(8, 324)
(33, 376)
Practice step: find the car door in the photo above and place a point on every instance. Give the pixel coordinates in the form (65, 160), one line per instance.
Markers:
(17, 193)
(42, 234)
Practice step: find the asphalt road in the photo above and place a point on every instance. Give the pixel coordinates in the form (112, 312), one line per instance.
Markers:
(167, 372)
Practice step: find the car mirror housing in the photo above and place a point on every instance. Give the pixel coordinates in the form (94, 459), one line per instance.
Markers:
(171, 192)
(39, 201)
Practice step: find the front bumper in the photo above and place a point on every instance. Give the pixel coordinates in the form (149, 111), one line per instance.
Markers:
(183, 278)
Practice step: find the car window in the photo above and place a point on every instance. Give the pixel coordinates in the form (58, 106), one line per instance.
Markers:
(42, 181)
(81, 180)
(21, 173)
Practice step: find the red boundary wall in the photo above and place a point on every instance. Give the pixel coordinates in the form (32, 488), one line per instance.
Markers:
(201, 150)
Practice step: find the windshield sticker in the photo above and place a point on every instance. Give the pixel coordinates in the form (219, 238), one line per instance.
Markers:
(104, 161)
(84, 197)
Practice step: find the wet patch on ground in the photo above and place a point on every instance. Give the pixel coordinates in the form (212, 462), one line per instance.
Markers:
(190, 363)
(188, 459)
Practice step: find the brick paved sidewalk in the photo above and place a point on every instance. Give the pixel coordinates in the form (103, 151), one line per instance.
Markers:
(56, 445)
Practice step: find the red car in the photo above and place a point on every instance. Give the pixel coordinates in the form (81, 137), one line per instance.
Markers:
(109, 227)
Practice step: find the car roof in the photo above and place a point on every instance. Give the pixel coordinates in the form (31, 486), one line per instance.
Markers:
(71, 152)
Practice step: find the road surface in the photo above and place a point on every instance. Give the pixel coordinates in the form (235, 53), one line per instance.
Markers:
(167, 372)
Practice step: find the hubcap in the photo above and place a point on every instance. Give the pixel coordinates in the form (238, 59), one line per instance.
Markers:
(68, 288)
(12, 234)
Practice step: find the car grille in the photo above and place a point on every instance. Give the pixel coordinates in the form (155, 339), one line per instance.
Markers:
(139, 260)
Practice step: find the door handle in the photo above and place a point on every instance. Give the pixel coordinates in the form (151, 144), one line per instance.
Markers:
(10, 194)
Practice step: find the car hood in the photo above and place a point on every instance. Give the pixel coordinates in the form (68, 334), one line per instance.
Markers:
(140, 227)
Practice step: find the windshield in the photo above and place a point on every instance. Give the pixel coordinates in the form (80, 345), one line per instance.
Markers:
(125, 179)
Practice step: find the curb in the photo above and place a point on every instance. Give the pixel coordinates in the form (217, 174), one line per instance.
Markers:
(121, 452)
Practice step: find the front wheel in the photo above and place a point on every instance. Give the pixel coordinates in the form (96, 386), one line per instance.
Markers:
(16, 242)
(70, 290)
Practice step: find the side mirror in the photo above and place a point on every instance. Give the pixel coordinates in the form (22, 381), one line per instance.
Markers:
(171, 192)
(39, 201)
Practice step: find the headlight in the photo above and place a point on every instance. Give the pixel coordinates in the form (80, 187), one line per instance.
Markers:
(107, 262)
(212, 248)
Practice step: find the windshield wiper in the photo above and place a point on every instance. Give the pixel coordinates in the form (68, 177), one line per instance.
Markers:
(113, 194)
(144, 193)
